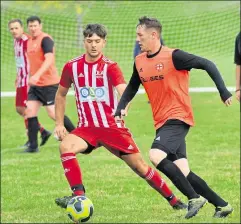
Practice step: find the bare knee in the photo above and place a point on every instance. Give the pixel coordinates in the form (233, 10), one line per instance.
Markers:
(51, 111)
(156, 156)
(21, 111)
(51, 114)
(66, 147)
(72, 144)
(183, 166)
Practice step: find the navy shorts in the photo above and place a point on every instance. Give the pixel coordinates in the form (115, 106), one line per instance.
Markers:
(44, 94)
(170, 138)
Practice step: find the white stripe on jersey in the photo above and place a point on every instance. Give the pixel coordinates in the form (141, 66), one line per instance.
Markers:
(92, 108)
(77, 91)
(105, 80)
(24, 66)
(100, 106)
(21, 63)
(77, 58)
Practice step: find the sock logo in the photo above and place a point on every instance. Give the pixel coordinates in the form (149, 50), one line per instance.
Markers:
(162, 183)
(66, 170)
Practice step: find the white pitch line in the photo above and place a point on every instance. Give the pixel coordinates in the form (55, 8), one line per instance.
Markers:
(142, 91)
(22, 148)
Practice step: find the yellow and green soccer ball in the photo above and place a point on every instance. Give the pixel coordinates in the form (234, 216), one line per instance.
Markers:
(80, 209)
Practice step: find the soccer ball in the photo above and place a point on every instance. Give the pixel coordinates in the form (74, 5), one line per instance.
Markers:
(80, 209)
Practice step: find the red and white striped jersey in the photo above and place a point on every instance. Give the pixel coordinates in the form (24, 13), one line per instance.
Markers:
(22, 64)
(96, 98)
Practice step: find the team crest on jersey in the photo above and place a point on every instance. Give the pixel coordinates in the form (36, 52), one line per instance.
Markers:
(159, 66)
(99, 74)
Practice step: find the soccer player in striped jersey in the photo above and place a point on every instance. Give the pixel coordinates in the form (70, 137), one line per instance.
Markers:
(164, 73)
(21, 82)
(96, 79)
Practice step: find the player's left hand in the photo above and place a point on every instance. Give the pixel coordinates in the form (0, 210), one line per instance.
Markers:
(228, 102)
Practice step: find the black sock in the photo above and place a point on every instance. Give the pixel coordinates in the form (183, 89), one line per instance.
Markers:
(68, 124)
(33, 129)
(201, 187)
(172, 171)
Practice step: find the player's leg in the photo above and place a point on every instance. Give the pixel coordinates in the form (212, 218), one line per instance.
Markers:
(48, 98)
(21, 112)
(119, 141)
(69, 147)
(222, 208)
(139, 166)
(33, 128)
(20, 103)
(167, 141)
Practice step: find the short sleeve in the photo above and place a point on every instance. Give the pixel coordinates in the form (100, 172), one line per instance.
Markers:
(65, 79)
(115, 74)
(47, 45)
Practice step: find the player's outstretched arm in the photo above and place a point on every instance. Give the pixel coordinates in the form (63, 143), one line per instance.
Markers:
(185, 61)
(129, 93)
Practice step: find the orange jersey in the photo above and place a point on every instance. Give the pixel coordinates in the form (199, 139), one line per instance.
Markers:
(36, 58)
(166, 87)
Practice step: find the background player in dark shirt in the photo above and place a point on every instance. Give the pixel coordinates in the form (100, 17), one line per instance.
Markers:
(237, 56)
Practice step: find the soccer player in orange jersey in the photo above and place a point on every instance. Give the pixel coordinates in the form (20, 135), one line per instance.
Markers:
(95, 79)
(237, 56)
(21, 82)
(43, 79)
(164, 73)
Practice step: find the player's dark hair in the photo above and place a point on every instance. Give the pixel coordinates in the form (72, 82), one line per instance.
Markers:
(150, 23)
(15, 21)
(97, 29)
(33, 18)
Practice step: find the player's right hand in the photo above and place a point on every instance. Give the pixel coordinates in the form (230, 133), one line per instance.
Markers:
(121, 117)
(60, 132)
(228, 102)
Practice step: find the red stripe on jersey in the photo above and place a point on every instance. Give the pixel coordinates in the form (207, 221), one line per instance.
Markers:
(20, 47)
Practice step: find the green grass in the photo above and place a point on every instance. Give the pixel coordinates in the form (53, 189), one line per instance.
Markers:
(30, 183)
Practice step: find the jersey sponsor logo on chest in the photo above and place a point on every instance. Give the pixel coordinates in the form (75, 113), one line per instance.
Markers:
(152, 78)
(92, 93)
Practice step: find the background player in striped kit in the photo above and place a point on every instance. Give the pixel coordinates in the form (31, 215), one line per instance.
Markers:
(95, 79)
(21, 83)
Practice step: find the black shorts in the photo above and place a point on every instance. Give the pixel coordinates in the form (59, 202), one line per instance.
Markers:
(170, 138)
(44, 94)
